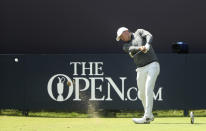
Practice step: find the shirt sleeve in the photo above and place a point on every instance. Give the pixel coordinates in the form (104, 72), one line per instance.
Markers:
(147, 35)
(126, 48)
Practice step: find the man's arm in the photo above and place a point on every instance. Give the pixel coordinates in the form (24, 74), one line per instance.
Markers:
(126, 48)
(147, 35)
(132, 50)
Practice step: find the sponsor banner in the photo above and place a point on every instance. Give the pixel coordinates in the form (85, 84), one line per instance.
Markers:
(96, 81)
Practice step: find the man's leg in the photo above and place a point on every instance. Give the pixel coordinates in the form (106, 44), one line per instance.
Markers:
(153, 72)
(141, 80)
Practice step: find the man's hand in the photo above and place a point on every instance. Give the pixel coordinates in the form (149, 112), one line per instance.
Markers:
(136, 48)
(143, 49)
(133, 48)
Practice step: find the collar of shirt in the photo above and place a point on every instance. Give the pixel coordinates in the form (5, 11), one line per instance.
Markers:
(132, 37)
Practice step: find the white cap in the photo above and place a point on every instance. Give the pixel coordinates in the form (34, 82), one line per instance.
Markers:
(119, 32)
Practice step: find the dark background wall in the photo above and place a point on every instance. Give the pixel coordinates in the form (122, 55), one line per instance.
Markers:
(89, 26)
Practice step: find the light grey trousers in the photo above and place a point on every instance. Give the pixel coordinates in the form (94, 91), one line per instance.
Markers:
(146, 78)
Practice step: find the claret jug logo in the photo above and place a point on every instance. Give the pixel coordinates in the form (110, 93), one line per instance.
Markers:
(60, 87)
(96, 83)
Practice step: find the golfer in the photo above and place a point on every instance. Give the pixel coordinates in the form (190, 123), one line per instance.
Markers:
(138, 46)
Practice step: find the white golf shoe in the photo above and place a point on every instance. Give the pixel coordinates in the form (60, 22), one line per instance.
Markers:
(143, 120)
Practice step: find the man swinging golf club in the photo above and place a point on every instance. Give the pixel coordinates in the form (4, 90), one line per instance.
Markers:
(138, 47)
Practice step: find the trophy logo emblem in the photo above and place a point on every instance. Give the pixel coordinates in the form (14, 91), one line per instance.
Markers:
(59, 87)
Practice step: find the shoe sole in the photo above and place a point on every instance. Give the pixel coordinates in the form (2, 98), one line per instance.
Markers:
(142, 123)
(147, 122)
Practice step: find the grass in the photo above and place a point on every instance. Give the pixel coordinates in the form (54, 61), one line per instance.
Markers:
(20, 123)
(157, 113)
(12, 112)
(121, 114)
(200, 113)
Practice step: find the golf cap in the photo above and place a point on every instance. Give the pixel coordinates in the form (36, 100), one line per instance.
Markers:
(119, 32)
